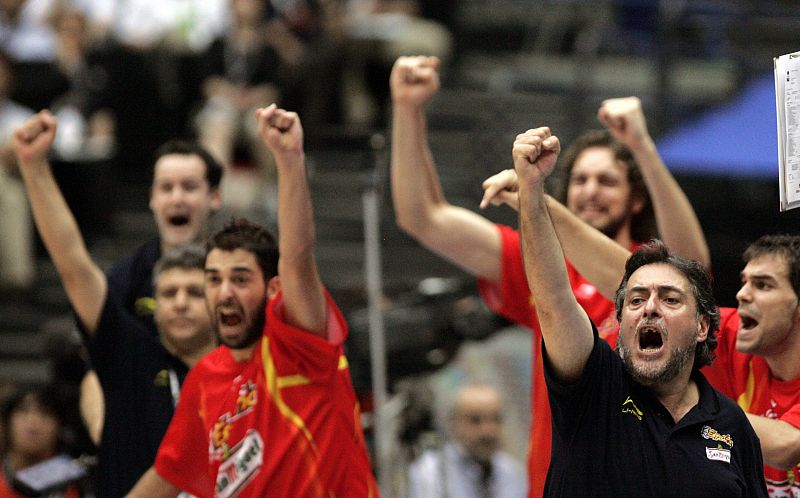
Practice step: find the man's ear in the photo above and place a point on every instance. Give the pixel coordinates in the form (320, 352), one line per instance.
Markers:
(637, 203)
(702, 328)
(273, 286)
(216, 199)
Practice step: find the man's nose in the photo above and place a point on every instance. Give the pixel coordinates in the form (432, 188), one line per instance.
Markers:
(743, 294)
(651, 307)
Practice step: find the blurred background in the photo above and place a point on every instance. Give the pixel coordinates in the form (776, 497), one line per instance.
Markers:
(126, 75)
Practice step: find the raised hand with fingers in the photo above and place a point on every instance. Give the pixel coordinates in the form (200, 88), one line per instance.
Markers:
(280, 130)
(624, 119)
(33, 139)
(501, 188)
(535, 153)
(414, 80)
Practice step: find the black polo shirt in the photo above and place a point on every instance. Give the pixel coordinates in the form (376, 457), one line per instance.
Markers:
(140, 380)
(612, 438)
(130, 281)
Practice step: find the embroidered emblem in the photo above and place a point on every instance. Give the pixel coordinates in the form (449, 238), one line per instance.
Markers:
(161, 378)
(628, 406)
(709, 433)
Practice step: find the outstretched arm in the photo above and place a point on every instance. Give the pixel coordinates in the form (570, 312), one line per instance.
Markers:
(84, 282)
(457, 234)
(780, 441)
(678, 226)
(303, 293)
(597, 257)
(566, 329)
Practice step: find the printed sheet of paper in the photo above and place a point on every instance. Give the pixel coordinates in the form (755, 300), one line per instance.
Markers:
(787, 104)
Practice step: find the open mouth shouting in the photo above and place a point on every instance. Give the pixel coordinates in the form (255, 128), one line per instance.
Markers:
(650, 338)
(746, 321)
(178, 220)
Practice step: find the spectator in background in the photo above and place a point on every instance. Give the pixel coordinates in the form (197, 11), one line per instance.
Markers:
(471, 465)
(74, 85)
(33, 429)
(25, 32)
(242, 69)
(313, 46)
(378, 32)
(17, 267)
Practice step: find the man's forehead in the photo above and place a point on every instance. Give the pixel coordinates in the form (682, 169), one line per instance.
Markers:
(598, 159)
(170, 165)
(658, 275)
(767, 265)
(237, 259)
(176, 275)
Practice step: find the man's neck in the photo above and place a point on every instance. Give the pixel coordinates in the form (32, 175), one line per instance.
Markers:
(243, 354)
(784, 365)
(679, 396)
(191, 358)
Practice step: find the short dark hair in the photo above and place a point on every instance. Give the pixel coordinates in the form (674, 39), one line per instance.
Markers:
(656, 252)
(643, 224)
(784, 245)
(240, 233)
(185, 257)
(182, 147)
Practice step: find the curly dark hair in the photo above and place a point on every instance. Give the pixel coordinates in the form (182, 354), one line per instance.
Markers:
(656, 252)
(240, 233)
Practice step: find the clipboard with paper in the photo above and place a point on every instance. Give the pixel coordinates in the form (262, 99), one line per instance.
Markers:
(787, 105)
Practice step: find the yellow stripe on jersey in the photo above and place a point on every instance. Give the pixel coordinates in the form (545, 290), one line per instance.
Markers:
(746, 398)
(292, 380)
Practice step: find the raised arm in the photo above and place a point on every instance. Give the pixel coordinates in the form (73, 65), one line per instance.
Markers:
(462, 236)
(566, 329)
(84, 281)
(597, 257)
(678, 226)
(303, 293)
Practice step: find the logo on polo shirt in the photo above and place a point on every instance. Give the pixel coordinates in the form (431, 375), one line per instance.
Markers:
(628, 406)
(712, 434)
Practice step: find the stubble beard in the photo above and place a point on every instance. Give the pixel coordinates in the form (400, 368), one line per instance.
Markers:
(253, 332)
(648, 375)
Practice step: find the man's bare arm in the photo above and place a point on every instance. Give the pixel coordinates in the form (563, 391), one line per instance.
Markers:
(566, 329)
(84, 282)
(597, 257)
(303, 292)
(462, 236)
(780, 441)
(678, 226)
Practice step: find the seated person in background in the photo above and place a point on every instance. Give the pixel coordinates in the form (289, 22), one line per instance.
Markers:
(472, 465)
(32, 433)
(241, 69)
